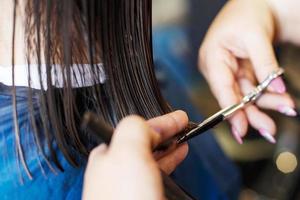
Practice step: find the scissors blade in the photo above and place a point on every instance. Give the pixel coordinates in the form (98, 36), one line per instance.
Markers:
(201, 128)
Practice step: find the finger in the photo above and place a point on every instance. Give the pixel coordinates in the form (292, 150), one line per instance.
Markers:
(239, 125)
(133, 134)
(169, 162)
(227, 96)
(264, 61)
(158, 154)
(282, 103)
(261, 122)
(258, 120)
(169, 124)
(246, 71)
(98, 152)
(221, 79)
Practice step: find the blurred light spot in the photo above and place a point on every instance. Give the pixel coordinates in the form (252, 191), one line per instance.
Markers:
(286, 162)
(248, 194)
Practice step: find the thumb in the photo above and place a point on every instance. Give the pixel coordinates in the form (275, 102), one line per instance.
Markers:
(134, 135)
(262, 56)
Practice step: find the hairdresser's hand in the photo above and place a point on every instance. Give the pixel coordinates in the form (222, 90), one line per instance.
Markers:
(236, 54)
(167, 126)
(127, 169)
(287, 16)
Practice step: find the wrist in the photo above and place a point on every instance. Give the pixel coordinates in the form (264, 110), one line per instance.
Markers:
(287, 19)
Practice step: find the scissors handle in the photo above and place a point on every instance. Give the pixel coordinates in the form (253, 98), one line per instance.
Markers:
(257, 92)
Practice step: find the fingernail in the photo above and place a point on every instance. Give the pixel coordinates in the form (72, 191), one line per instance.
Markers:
(278, 85)
(267, 135)
(287, 110)
(236, 135)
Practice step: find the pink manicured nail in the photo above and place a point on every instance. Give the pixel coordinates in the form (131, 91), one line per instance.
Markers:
(278, 85)
(287, 110)
(236, 135)
(267, 135)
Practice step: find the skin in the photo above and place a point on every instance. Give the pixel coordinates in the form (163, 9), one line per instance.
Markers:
(238, 46)
(128, 163)
(6, 24)
(131, 150)
(237, 53)
(287, 17)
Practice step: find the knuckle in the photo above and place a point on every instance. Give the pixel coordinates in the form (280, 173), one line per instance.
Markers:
(133, 118)
(93, 155)
(134, 123)
(134, 128)
(270, 64)
(174, 123)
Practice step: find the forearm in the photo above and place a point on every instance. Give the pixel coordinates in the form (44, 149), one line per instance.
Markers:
(287, 15)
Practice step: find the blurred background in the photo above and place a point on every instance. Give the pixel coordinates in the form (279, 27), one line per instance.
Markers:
(265, 171)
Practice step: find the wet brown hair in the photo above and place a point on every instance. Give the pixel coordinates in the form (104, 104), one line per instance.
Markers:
(68, 33)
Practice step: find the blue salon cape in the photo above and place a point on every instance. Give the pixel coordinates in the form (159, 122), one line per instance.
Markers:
(14, 183)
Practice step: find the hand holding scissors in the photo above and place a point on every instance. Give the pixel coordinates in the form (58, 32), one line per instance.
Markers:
(229, 111)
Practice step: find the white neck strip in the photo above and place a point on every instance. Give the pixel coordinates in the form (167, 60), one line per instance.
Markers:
(81, 76)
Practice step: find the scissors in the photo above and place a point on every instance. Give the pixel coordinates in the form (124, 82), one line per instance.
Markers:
(225, 113)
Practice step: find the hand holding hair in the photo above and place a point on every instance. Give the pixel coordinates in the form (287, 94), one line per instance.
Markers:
(127, 169)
